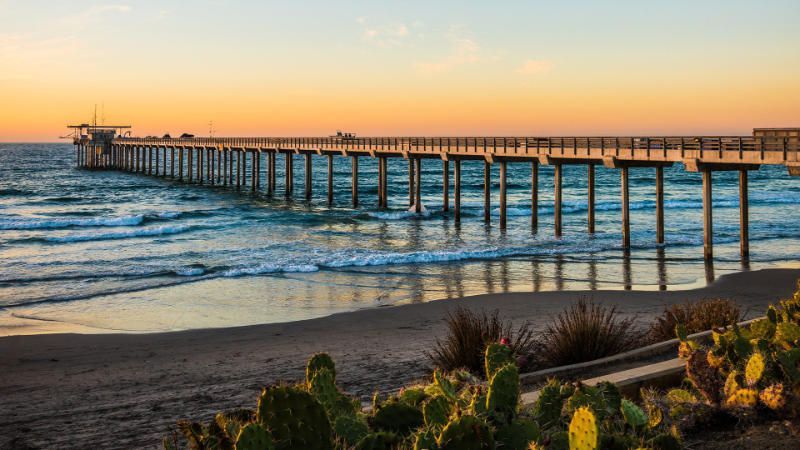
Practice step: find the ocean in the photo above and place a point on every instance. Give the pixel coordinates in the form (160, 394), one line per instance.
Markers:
(95, 251)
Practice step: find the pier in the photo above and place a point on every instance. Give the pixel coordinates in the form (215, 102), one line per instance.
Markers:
(223, 161)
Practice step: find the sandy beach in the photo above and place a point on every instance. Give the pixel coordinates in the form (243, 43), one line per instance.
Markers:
(126, 390)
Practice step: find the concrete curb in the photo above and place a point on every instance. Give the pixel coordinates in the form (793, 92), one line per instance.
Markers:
(572, 370)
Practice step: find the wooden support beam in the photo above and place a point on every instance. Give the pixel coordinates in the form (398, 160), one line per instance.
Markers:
(557, 199)
(308, 176)
(149, 160)
(503, 175)
(418, 186)
(273, 172)
(383, 179)
(659, 205)
(289, 174)
(211, 162)
(200, 165)
(157, 160)
(220, 167)
(708, 226)
(534, 195)
(411, 189)
(354, 175)
(487, 191)
(590, 199)
(180, 164)
(172, 162)
(445, 185)
(189, 165)
(626, 217)
(457, 189)
(225, 167)
(744, 216)
(330, 179)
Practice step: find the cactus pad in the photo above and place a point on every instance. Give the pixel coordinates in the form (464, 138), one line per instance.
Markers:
(633, 415)
(503, 396)
(254, 436)
(547, 409)
(466, 433)
(518, 435)
(397, 417)
(774, 397)
(436, 411)
(583, 432)
(754, 369)
(743, 398)
(496, 357)
(294, 418)
(319, 361)
(350, 429)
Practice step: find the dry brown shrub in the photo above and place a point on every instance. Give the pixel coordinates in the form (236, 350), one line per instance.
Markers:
(469, 332)
(584, 332)
(695, 316)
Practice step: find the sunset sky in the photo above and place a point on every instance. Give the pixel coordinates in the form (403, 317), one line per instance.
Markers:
(400, 68)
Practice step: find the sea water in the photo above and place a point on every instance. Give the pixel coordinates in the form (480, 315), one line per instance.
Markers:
(100, 251)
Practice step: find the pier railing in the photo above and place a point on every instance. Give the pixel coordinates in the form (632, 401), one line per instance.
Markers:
(733, 149)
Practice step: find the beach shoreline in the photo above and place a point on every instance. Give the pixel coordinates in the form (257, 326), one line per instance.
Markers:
(127, 390)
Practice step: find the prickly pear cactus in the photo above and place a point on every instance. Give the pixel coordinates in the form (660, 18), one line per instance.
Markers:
(233, 421)
(496, 357)
(503, 397)
(754, 369)
(412, 396)
(425, 439)
(583, 431)
(705, 378)
(774, 397)
(350, 429)
(444, 385)
(633, 415)
(323, 388)
(294, 418)
(254, 436)
(319, 361)
(377, 441)
(547, 409)
(396, 417)
(436, 411)
(518, 434)
(466, 433)
(743, 398)
(787, 334)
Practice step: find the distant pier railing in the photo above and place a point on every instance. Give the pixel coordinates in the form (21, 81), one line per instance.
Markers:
(224, 161)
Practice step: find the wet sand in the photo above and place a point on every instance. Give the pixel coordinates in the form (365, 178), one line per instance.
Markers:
(126, 390)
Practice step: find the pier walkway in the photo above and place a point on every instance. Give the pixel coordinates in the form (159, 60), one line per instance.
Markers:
(224, 161)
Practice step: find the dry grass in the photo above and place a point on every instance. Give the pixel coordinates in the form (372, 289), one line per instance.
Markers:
(696, 317)
(469, 332)
(584, 332)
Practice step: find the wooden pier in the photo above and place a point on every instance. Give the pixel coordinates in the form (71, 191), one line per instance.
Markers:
(223, 161)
